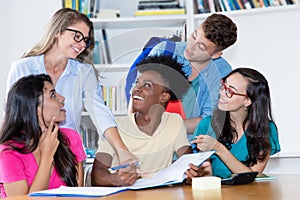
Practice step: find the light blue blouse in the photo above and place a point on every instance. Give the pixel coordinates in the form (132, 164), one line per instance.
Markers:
(239, 149)
(78, 84)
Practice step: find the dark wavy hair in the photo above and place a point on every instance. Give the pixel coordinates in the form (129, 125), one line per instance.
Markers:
(21, 131)
(221, 30)
(170, 71)
(256, 124)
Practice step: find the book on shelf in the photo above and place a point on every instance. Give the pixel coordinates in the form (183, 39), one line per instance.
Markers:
(114, 97)
(159, 7)
(236, 4)
(241, 4)
(248, 4)
(88, 7)
(90, 141)
(149, 12)
(218, 6)
(211, 6)
(226, 5)
(161, 4)
(221, 5)
(196, 6)
(203, 6)
(261, 3)
(256, 3)
(67, 3)
(108, 13)
(274, 2)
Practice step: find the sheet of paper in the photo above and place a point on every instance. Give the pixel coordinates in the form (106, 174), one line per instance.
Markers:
(79, 191)
(265, 177)
(170, 175)
(173, 173)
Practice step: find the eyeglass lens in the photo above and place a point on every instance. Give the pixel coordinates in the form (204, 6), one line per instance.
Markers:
(78, 37)
(228, 91)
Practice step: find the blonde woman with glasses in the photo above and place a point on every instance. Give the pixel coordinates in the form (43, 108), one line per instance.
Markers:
(64, 53)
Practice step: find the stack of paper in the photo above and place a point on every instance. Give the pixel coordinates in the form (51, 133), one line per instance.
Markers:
(170, 175)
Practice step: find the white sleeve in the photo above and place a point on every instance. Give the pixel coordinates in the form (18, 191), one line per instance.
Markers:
(93, 102)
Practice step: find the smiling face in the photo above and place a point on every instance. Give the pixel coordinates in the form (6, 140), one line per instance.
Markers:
(148, 91)
(53, 105)
(199, 48)
(238, 84)
(70, 47)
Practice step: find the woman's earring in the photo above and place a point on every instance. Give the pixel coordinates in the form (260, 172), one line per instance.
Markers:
(246, 108)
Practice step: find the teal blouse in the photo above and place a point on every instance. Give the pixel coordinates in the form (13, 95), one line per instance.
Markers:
(239, 150)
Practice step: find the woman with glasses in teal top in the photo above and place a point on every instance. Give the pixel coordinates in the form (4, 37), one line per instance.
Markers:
(65, 54)
(241, 130)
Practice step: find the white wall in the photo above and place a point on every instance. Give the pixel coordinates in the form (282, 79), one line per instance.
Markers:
(269, 41)
(22, 24)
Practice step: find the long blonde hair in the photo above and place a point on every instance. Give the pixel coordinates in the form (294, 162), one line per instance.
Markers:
(61, 20)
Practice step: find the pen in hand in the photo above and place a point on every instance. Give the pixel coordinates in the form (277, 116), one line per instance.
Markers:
(114, 169)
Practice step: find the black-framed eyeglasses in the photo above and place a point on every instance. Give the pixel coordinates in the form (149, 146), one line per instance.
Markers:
(228, 91)
(78, 37)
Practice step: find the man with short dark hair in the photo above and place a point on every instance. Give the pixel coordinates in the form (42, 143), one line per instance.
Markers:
(203, 64)
(150, 133)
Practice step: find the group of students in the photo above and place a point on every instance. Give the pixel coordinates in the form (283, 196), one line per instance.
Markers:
(228, 111)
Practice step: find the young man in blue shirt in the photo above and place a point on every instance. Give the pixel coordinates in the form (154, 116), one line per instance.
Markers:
(203, 64)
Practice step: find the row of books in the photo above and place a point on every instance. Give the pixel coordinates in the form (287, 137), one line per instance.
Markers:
(210, 6)
(90, 141)
(114, 98)
(159, 7)
(89, 7)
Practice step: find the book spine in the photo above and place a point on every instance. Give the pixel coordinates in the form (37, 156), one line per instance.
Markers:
(223, 7)
(261, 2)
(206, 6)
(236, 5)
(67, 3)
(241, 4)
(104, 88)
(226, 3)
(247, 4)
(231, 4)
(113, 98)
(86, 4)
(159, 12)
(211, 4)
(266, 3)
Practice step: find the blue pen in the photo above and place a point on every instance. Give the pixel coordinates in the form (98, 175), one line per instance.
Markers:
(114, 169)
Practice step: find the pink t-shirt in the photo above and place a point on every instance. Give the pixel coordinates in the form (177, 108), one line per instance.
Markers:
(15, 166)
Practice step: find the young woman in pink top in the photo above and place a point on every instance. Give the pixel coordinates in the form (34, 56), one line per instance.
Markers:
(35, 154)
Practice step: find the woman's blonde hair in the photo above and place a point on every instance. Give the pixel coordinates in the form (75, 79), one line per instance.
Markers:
(61, 20)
